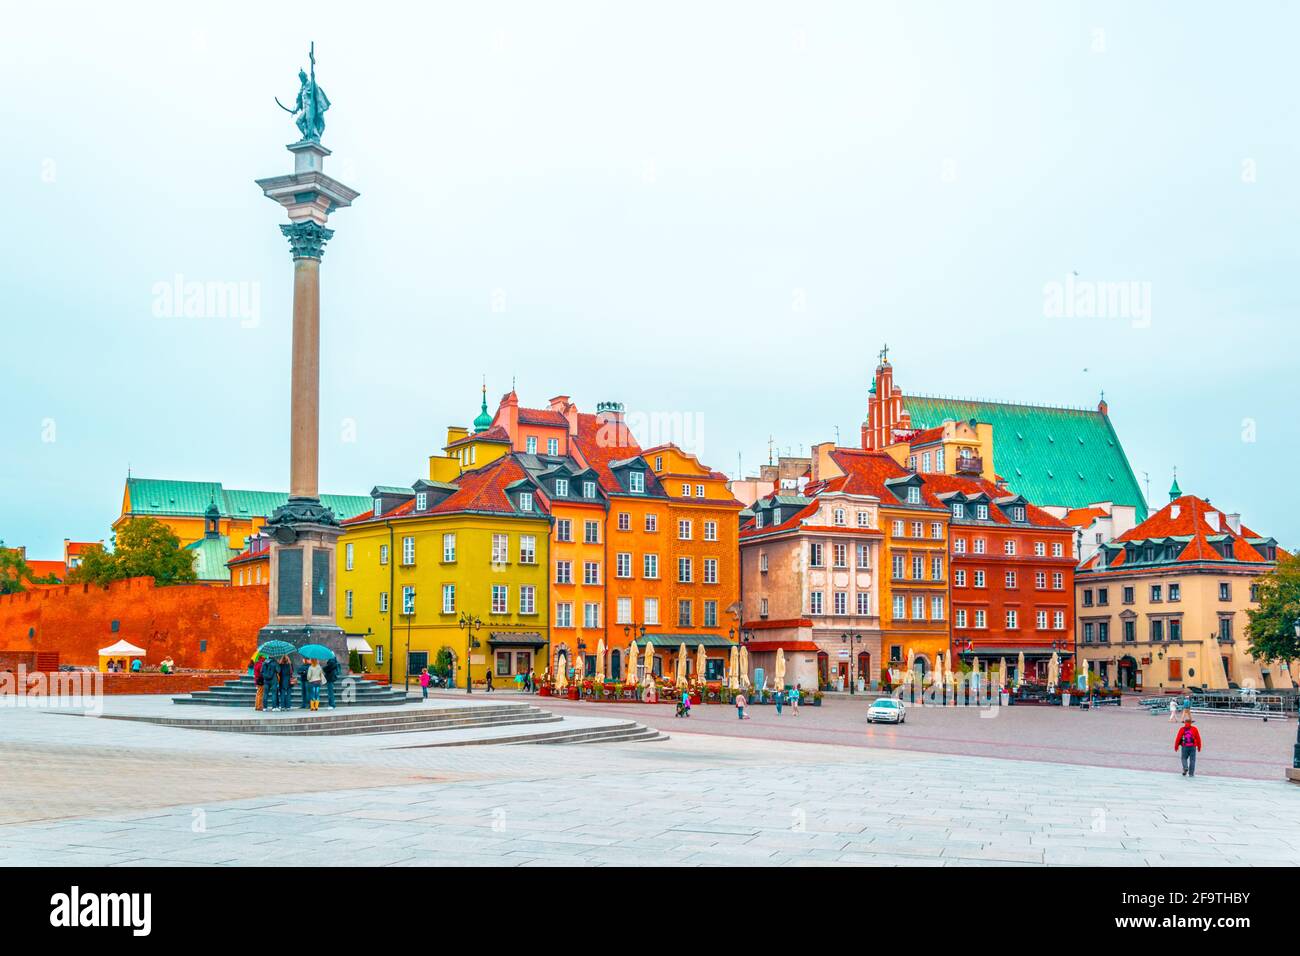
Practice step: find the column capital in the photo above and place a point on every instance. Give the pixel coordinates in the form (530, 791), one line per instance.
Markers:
(307, 238)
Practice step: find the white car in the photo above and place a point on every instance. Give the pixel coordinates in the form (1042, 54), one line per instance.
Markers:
(886, 710)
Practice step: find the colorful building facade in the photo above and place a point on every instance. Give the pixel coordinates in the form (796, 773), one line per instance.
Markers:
(1163, 606)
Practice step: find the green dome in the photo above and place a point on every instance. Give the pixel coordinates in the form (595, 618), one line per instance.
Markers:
(1174, 491)
(483, 421)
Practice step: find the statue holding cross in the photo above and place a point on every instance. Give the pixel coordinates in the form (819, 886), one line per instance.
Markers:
(309, 109)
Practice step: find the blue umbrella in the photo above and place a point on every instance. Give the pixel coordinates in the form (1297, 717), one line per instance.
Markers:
(317, 652)
(276, 648)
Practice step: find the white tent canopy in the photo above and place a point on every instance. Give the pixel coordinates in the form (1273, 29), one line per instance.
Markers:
(359, 644)
(122, 649)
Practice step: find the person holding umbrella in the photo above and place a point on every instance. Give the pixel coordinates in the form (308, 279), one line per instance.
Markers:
(302, 683)
(286, 682)
(271, 684)
(315, 680)
(331, 669)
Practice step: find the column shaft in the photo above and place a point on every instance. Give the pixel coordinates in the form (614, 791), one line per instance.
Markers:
(304, 426)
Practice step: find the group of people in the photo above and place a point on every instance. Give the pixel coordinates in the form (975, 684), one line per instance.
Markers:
(780, 698)
(121, 667)
(274, 678)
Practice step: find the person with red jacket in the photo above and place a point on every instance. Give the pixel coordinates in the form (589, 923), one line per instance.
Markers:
(1188, 742)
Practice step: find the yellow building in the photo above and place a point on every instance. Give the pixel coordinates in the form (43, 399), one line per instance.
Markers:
(428, 558)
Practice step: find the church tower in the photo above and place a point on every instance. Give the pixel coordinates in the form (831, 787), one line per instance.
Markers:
(885, 411)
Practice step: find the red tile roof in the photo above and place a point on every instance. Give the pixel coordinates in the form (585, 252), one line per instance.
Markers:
(1189, 522)
(1035, 516)
(541, 416)
(481, 490)
(597, 450)
(1083, 517)
(43, 569)
(496, 433)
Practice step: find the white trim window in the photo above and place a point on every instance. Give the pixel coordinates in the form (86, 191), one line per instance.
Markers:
(591, 532)
(762, 607)
(623, 567)
(959, 577)
(815, 602)
(864, 519)
(981, 620)
(1040, 549)
(1058, 620)
(900, 608)
(710, 570)
(1009, 546)
(408, 550)
(913, 495)
(684, 529)
(686, 491)
(840, 554)
(699, 491)
(1013, 622)
(563, 572)
(979, 545)
(526, 501)
(500, 549)
(552, 446)
(347, 603)
(979, 578)
(591, 614)
(1057, 549)
(958, 545)
(564, 614)
(864, 556)
(918, 607)
(841, 603)
(561, 487)
(449, 547)
(383, 602)
(864, 603)
(528, 549)
(651, 611)
(652, 523)
(710, 531)
(936, 608)
(936, 569)
(960, 617)
(839, 519)
(684, 570)
(650, 567)
(347, 562)
(1040, 620)
(623, 611)
(383, 554)
(982, 511)
(408, 599)
(636, 482)
(530, 445)
(449, 599)
(421, 500)
(591, 572)
(500, 599)
(527, 599)
(588, 489)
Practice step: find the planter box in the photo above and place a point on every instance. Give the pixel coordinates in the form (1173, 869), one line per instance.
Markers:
(543, 691)
(571, 693)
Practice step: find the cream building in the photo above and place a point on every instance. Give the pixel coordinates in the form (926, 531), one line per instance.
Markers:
(1163, 606)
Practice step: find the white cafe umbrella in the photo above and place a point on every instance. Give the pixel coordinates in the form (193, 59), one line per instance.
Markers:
(910, 674)
(701, 662)
(744, 667)
(579, 667)
(681, 665)
(1002, 673)
(937, 676)
(1020, 668)
(780, 669)
(600, 661)
(561, 671)
(1053, 671)
(733, 681)
(631, 663)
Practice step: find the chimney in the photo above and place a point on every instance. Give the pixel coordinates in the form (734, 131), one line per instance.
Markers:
(1234, 522)
(1212, 519)
(559, 402)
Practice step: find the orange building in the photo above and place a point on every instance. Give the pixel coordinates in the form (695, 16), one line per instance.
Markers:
(253, 565)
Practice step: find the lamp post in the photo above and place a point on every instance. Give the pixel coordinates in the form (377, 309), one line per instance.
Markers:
(408, 613)
(469, 623)
(851, 639)
(1295, 754)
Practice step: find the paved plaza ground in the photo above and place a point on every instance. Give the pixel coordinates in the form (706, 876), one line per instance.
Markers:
(1072, 788)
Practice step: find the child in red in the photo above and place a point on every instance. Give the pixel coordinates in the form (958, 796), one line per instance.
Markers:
(1188, 742)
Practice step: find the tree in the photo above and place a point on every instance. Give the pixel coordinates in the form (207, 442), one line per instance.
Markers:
(1272, 625)
(144, 547)
(15, 572)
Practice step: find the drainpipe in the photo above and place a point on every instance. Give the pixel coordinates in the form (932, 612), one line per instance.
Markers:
(392, 583)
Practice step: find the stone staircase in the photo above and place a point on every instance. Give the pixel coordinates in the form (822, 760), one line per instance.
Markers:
(526, 717)
(242, 692)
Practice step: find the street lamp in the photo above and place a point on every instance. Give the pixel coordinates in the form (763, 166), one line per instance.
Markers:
(408, 612)
(851, 640)
(469, 623)
(1295, 754)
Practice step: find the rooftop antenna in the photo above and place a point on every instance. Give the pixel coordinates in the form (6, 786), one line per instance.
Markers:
(1146, 477)
(837, 436)
(770, 444)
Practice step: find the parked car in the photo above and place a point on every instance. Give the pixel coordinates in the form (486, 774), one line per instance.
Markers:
(886, 710)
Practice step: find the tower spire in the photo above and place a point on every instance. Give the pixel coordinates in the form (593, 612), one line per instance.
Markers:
(483, 421)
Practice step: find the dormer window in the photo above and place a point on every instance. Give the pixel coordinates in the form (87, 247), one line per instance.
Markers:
(636, 481)
(561, 487)
(379, 507)
(913, 495)
(525, 501)
(588, 489)
(1018, 513)
(958, 509)
(776, 516)
(982, 512)
(421, 500)
(659, 462)
(758, 519)
(686, 491)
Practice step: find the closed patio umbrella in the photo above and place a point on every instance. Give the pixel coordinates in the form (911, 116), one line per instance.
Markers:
(1020, 668)
(733, 680)
(780, 668)
(1053, 671)
(561, 671)
(911, 666)
(600, 661)
(579, 667)
(744, 666)
(631, 663)
(1002, 672)
(701, 662)
(649, 664)
(681, 664)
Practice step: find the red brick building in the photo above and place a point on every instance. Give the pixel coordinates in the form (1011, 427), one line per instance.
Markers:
(1012, 586)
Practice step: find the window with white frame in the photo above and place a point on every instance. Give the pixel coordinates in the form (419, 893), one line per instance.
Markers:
(978, 578)
(623, 610)
(591, 614)
(383, 602)
(841, 603)
(650, 566)
(526, 501)
(1010, 580)
(408, 599)
(918, 567)
(936, 569)
(408, 550)
(864, 519)
(958, 509)
(1012, 620)
(936, 530)
(918, 607)
(936, 608)
(636, 481)
(530, 445)
(1058, 580)
(347, 603)
(982, 511)
(959, 577)
(979, 545)
(897, 527)
(383, 554)
(684, 570)
(347, 556)
(840, 555)
(1057, 550)
(710, 570)
(864, 603)
(651, 523)
(710, 531)
(591, 532)
(421, 500)
(1040, 580)
(624, 521)
(1040, 549)
(815, 558)
(918, 529)
(898, 564)
(588, 489)
(528, 549)
(552, 446)
(864, 556)
(564, 614)
(449, 599)
(710, 613)
(925, 462)
(1018, 513)
(591, 572)
(762, 562)
(500, 548)
(981, 619)
(1040, 620)
(900, 607)
(762, 607)
(684, 529)
(960, 617)
(623, 564)
(815, 602)
(699, 491)
(958, 545)
(561, 487)
(1058, 620)
(838, 518)
(686, 490)
(449, 547)
(1009, 546)
(500, 599)
(913, 495)
(563, 529)
(563, 572)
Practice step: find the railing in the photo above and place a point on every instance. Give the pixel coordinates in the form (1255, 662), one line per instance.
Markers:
(970, 465)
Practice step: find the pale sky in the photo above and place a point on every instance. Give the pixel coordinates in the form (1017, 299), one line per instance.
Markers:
(713, 212)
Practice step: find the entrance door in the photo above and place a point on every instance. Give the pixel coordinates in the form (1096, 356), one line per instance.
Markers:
(823, 668)
(864, 668)
(842, 674)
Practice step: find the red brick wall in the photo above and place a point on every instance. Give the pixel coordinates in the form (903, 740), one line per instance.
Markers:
(145, 683)
(75, 621)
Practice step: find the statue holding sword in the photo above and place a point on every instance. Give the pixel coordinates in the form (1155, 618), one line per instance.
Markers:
(309, 109)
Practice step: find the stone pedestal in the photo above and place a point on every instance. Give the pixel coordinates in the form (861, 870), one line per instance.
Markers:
(304, 532)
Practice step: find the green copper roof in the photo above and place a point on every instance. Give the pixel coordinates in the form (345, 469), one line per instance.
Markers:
(1174, 491)
(190, 499)
(483, 421)
(210, 557)
(1053, 456)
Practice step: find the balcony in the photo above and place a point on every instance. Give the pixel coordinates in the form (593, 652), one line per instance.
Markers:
(970, 465)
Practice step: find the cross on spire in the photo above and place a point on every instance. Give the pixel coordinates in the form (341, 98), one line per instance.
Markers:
(884, 354)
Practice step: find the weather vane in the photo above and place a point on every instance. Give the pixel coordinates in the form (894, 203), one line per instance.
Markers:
(309, 109)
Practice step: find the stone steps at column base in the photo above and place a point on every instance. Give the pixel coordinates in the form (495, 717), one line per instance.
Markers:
(325, 723)
(616, 733)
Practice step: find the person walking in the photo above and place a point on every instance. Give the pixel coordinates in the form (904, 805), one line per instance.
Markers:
(302, 682)
(795, 696)
(331, 669)
(489, 681)
(286, 682)
(1173, 708)
(1188, 743)
(270, 684)
(779, 698)
(257, 679)
(424, 683)
(740, 707)
(315, 679)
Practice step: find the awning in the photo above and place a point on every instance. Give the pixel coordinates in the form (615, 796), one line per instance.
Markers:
(359, 644)
(761, 647)
(517, 638)
(122, 649)
(1013, 650)
(674, 641)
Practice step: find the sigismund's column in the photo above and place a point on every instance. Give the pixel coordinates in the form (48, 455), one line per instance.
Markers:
(303, 531)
